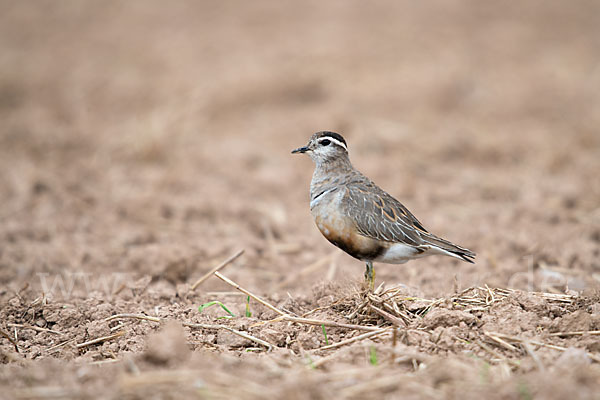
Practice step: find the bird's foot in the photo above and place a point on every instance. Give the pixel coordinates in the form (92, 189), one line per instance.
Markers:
(370, 277)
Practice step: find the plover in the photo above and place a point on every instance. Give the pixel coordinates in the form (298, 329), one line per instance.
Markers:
(360, 218)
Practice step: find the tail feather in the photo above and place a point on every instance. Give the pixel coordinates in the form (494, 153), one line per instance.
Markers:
(449, 248)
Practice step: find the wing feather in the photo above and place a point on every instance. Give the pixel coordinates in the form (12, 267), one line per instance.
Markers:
(380, 216)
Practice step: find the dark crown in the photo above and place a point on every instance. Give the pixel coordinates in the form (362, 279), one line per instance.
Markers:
(334, 135)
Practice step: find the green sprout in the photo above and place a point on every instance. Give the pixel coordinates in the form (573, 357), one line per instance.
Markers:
(212, 303)
(373, 356)
(248, 313)
(325, 334)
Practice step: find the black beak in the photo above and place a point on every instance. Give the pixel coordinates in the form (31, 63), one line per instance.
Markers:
(303, 149)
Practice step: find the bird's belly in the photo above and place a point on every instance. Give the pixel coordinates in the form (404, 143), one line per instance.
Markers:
(398, 253)
(341, 231)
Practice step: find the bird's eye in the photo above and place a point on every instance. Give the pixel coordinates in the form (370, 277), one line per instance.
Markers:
(325, 142)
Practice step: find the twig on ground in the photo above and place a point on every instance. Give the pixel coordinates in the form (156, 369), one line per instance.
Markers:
(357, 310)
(354, 339)
(39, 300)
(394, 308)
(318, 322)
(118, 327)
(133, 316)
(499, 341)
(35, 328)
(241, 289)
(102, 362)
(394, 320)
(379, 289)
(314, 310)
(536, 343)
(268, 345)
(51, 349)
(217, 268)
(576, 333)
(10, 339)
(100, 340)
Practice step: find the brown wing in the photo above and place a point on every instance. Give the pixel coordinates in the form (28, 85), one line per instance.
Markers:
(380, 216)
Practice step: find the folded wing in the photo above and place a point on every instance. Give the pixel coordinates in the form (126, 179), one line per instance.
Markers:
(380, 216)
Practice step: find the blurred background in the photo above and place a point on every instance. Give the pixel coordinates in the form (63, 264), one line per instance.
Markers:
(155, 138)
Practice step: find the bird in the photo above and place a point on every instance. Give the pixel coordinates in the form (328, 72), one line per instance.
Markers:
(359, 217)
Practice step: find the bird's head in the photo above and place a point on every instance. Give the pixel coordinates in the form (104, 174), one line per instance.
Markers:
(324, 147)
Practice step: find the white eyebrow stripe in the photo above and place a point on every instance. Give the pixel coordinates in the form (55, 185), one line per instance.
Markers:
(334, 140)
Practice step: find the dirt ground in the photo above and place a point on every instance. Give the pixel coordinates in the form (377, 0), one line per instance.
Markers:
(143, 143)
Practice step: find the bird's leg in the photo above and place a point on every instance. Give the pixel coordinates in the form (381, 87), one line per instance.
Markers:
(370, 275)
